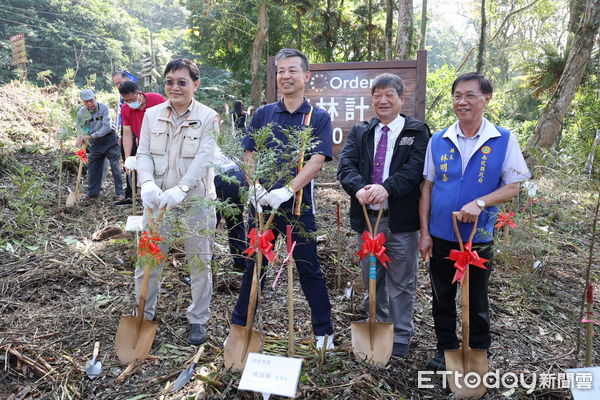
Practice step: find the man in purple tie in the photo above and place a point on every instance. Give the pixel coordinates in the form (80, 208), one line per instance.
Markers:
(381, 166)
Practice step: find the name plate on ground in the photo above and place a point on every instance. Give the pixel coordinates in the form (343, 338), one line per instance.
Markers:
(271, 374)
(584, 382)
(134, 223)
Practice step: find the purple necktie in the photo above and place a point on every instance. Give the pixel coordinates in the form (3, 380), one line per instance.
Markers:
(379, 160)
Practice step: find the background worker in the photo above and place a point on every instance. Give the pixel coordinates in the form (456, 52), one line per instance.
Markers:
(135, 104)
(94, 121)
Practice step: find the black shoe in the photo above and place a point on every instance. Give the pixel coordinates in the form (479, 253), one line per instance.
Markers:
(123, 202)
(186, 279)
(438, 362)
(400, 349)
(197, 334)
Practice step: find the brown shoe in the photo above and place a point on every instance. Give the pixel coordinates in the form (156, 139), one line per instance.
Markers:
(118, 197)
(89, 197)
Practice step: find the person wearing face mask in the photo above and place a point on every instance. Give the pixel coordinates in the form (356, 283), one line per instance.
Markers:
(135, 104)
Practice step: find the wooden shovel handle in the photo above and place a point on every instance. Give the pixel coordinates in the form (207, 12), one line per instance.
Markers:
(79, 171)
(455, 215)
(198, 355)
(152, 227)
(364, 208)
(96, 351)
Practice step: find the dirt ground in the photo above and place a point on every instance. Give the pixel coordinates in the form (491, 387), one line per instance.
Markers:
(67, 291)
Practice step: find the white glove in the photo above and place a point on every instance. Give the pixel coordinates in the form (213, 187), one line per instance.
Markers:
(278, 196)
(151, 195)
(129, 163)
(256, 196)
(171, 197)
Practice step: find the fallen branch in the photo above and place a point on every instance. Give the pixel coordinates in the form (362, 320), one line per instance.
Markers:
(127, 372)
(30, 362)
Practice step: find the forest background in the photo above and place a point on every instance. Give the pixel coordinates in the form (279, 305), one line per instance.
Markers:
(523, 46)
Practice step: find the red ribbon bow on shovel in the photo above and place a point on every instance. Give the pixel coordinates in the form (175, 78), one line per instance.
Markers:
(264, 244)
(505, 219)
(148, 248)
(462, 259)
(374, 245)
(82, 155)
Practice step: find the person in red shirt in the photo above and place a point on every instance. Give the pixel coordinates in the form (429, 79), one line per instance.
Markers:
(132, 113)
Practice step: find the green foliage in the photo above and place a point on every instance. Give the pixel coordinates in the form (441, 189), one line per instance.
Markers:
(86, 41)
(439, 112)
(24, 207)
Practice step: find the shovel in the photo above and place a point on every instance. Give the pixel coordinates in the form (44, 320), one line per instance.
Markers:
(135, 334)
(73, 197)
(465, 360)
(93, 366)
(372, 341)
(185, 375)
(243, 339)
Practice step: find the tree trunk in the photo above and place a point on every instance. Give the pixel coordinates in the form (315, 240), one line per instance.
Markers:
(257, 52)
(423, 25)
(299, 29)
(481, 52)
(550, 123)
(405, 29)
(369, 30)
(389, 16)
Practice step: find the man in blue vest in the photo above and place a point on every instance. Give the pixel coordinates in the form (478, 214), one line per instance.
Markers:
(295, 200)
(470, 167)
(381, 166)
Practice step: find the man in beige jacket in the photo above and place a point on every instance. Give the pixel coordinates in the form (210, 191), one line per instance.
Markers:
(174, 158)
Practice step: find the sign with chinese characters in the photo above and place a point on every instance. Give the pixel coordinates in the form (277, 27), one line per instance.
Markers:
(344, 90)
(17, 43)
(271, 375)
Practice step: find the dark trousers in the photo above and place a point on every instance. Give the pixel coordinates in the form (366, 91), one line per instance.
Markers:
(230, 191)
(96, 158)
(129, 176)
(444, 297)
(312, 279)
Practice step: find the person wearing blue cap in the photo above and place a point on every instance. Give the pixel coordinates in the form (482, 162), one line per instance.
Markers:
(95, 126)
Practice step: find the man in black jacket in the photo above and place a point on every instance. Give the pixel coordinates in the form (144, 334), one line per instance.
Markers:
(381, 166)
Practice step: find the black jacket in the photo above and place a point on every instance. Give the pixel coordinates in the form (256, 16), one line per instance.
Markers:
(405, 177)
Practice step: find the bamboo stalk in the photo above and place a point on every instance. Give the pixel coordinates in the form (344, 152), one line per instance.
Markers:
(587, 277)
(290, 294)
(589, 333)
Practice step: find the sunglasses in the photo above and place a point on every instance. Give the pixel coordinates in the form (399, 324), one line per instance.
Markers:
(180, 83)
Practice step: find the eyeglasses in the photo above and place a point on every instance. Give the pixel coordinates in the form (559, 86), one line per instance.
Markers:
(469, 97)
(180, 83)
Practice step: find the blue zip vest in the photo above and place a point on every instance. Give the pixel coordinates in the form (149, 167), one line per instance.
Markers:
(452, 190)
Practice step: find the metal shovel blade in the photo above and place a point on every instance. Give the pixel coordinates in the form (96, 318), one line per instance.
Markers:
(183, 378)
(185, 375)
(465, 362)
(133, 342)
(239, 344)
(372, 344)
(93, 366)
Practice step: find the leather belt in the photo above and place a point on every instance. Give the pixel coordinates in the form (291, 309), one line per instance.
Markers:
(375, 213)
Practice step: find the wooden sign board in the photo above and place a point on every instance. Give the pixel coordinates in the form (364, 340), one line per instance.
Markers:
(344, 90)
(19, 55)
